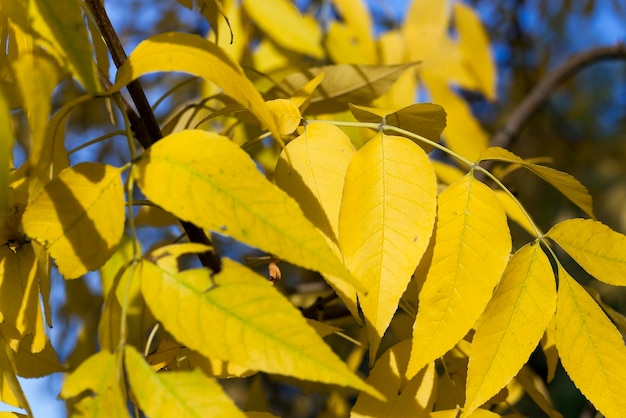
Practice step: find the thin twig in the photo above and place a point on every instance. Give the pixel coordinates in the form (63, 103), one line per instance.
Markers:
(148, 121)
(533, 101)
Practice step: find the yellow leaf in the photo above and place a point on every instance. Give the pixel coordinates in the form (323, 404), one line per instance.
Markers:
(453, 413)
(618, 318)
(286, 114)
(206, 179)
(98, 374)
(514, 212)
(29, 364)
(536, 389)
(244, 319)
(511, 326)
(548, 345)
(176, 394)
(596, 247)
(472, 246)
(412, 398)
(302, 98)
(312, 169)
(6, 153)
(283, 23)
(425, 119)
(60, 29)
(475, 48)
(37, 76)
(385, 223)
(425, 26)
(463, 132)
(19, 296)
(342, 84)
(446, 173)
(78, 217)
(393, 50)
(343, 48)
(591, 349)
(563, 182)
(194, 55)
(219, 369)
(358, 21)
(10, 388)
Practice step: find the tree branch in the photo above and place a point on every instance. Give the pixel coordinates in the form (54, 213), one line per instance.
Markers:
(531, 104)
(147, 121)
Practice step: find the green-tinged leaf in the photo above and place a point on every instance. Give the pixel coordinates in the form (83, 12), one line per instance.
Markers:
(425, 119)
(385, 223)
(194, 55)
(282, 23)
(563, 182)
(514, 212)
(204, 178)
(78, 217)
(312, 169)
(6, 153)
(243, 319)
(10, 389)
(474, 43)
(472, 246)
(28, 364)
(511, 326)
(176, 394)
(591, 349)
(596, 247)
(342, 84)
(412, 398)
(100, 375)
(60, 29)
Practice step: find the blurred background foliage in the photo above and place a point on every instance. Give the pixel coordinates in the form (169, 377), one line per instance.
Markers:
(581, 128)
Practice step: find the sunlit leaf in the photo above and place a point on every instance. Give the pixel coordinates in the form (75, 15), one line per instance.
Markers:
(358, 21)
(302, 98)
(286, 114)
(283, 23)
(312, 169)
(211, 9)
(342, 84)
(514, 212)
(100, 375)
(463, 133)
(78, 217)
(512, 324)
(194, 55)
(176, 394)
(243, 319)
(404, 398)
(563, 182)
(591, 349)
(474, 43)
(385, 223)
(472, 246)
(618, 318)
(206, 179)
(343, 48)
(596, 247)
(453, 413)
(425, 24)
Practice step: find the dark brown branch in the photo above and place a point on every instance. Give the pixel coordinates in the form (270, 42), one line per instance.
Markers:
(147, 121)
(531, 104)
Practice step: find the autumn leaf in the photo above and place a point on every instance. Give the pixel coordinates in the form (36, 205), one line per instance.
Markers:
(78, 217)
(591, 349)
(472, 246)
(196, 175)
(385, 223)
